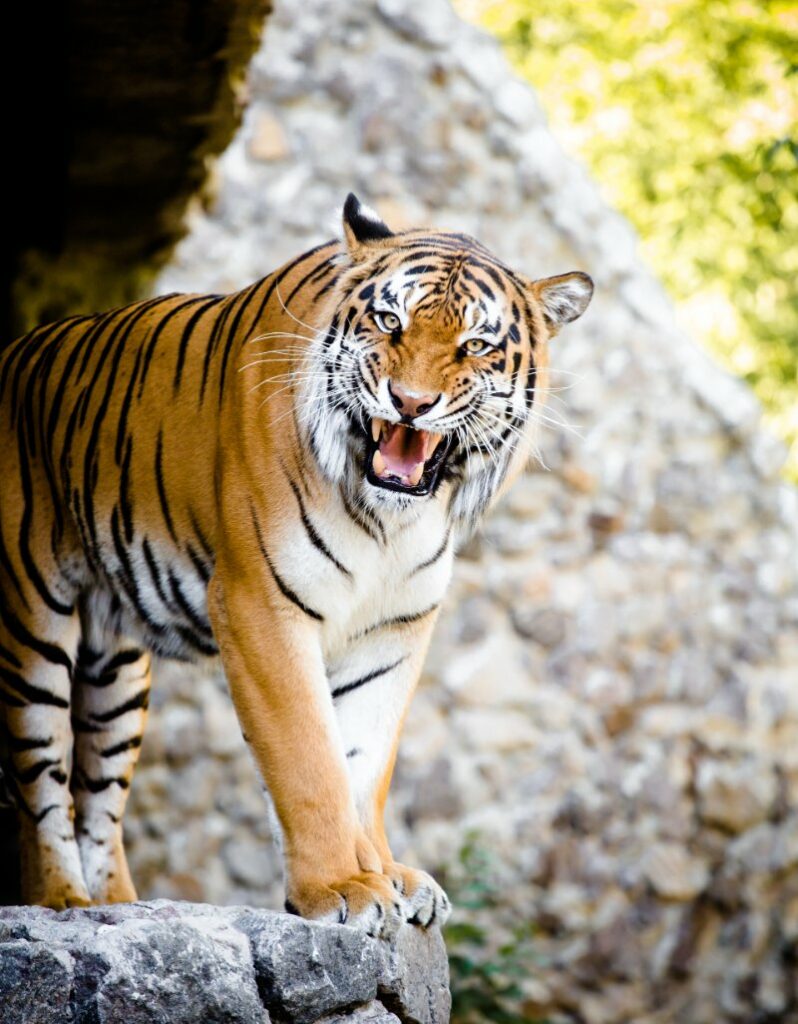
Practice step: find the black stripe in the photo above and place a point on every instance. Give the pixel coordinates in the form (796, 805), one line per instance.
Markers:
(11, 701)
(127, 577)
(97, 682)
(185, 337)
(203, 571)
(483, 287)
(155, 573)
(28, 775)
(318, 271)
(141, 700)
(273, 280)
(206, 647)
(339, 691)
(88, 656)
(162, 488)
(433, 558)
(50, 652)
(17, 744)
(32, 694)
(10, 657)
(119, 748)
(81, 725)
(8, 358)
(65, 384)
(204, 542)
(213, 341)
(125, 502)
(284, 589)
(313, 536)
(232, 332)
(529, 388)
(119, 333)
(25, 533)
(116, 343)
(39, 818)
(84, 781)
(400, 620)
(6, 563)
(149, 350)
(370, 526)
(124, 411)
(32, 348)
(328, 287)
(110, 670)
(43, 372)
(185, 607)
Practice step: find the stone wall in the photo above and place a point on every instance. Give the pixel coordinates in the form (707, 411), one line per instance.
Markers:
(611, 700)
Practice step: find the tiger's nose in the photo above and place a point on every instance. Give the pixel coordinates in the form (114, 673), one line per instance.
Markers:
(410, 404)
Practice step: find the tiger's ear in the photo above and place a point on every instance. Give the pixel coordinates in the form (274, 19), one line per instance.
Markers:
(563, 298)
(362, 226)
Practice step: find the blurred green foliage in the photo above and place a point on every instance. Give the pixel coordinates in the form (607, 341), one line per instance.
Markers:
(686, 113)
(490, 959)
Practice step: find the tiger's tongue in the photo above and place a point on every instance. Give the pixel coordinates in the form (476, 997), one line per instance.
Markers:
(403, 451)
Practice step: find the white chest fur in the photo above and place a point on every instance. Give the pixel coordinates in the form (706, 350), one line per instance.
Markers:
(366, 590)
(358, 581)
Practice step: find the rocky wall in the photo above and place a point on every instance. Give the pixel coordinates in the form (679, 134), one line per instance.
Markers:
(152, 963)
(611, 699)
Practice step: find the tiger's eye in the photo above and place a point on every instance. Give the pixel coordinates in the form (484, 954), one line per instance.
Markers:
(388, 322)
(477, 346)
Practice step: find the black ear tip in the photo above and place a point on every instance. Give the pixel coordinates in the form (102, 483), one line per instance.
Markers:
(364, 222)
(351, 206)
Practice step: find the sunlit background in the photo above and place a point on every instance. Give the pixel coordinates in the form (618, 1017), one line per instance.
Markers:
(601, 763)
(686, 113)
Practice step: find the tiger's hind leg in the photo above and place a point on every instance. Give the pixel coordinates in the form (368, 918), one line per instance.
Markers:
(111, 698)
(37, 652)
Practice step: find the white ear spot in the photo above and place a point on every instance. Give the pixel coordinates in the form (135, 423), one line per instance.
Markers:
(361, 223)
(564, 298)
(369, 213)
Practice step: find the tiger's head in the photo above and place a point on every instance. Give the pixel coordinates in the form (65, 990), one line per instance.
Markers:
(430, 364)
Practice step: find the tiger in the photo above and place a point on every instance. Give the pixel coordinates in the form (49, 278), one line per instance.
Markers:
(277, 477)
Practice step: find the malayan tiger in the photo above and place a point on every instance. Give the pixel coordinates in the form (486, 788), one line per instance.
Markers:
(279, 475)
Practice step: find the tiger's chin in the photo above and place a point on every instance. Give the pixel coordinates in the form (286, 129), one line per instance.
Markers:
(404, 460)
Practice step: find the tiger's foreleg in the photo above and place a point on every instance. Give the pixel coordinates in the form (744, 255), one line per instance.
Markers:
(370, 718)
(37, 655)
(272, 659)
(111, 698)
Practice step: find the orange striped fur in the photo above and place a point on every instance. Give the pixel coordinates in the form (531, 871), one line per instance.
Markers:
(279, 475)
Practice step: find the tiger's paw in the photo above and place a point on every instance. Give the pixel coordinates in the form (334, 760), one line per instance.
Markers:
(64, 899)
(423, 901)
(51, 872)
(367, 901)
(105, 866)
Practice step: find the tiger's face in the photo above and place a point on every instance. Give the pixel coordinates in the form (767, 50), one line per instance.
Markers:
(433, 357)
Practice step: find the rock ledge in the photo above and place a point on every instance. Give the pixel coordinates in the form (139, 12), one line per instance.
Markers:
(143, 963)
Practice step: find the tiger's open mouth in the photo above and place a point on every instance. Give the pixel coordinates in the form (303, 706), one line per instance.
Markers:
(400, 458)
